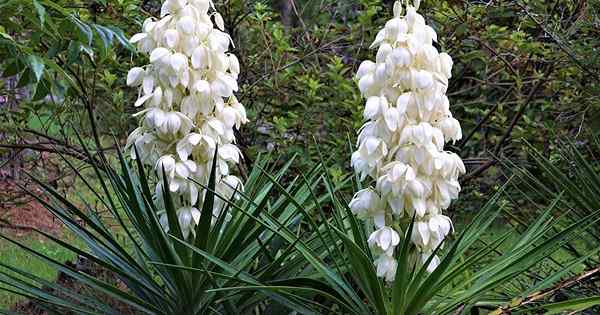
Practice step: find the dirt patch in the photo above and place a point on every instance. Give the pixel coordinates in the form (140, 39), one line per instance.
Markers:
(20, 213)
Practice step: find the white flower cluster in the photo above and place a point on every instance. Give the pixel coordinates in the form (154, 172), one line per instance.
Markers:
(401, 146)
(190, 110)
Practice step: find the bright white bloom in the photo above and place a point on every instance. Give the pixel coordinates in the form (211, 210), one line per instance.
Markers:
(188, 217)
(386, 266)
(187, 91)
(401, 145)
(384, 238)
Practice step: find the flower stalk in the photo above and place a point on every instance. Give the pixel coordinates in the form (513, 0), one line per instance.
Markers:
(190, 110)
(401, 146)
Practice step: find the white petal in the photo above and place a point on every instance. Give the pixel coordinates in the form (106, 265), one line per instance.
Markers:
(186, 25)
(171, 37)
(194, 138)
(397, 9)
(234, 64)
(229, 81)
(423, 232)
(203, 87)
(379, 219)
(199, 57)
(196, 215)
(402, 102)
(219, 21)
(385, 239)
(229, 152)
(148, 84)
(392, 118)
(228, 116)
(184, 77)
(159, 53)
(137, 37)
(395, 238)
(142, 100)
(188, 106)
(423, 79)
(446, 64)
(372, 107)
(379, 38)
(365, 67)
(179, 61)
(182, 170)
(134, 76)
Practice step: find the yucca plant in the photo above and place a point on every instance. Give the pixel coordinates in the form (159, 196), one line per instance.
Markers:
(163, 273)
(578, 184)
(472, 275)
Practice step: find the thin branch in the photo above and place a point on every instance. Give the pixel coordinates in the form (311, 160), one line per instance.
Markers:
(522, 108)
(540, 295)
(478, 171)
(484, 119)
(495, 53)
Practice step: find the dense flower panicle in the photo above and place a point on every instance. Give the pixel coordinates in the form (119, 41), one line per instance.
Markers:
(190, 109)
(401, 146)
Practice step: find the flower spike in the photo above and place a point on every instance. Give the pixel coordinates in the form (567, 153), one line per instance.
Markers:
(187, 90)
(401, 146)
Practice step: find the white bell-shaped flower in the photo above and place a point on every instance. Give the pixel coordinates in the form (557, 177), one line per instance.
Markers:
(384, 238)
(386, 266)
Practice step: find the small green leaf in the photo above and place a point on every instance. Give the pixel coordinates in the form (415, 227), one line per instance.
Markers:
(3, 33)
(84, 29)
(36, 64)
(41, 12)
(106, 35)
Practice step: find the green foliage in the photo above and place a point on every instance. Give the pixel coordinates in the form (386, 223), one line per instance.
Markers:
(577, 192)
(163, 273)
(67, 63)
(299, 59)
(298, 246)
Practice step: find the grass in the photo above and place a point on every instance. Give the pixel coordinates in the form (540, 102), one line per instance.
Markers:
(12, 255)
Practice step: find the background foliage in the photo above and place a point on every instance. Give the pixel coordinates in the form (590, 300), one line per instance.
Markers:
(524, 69)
